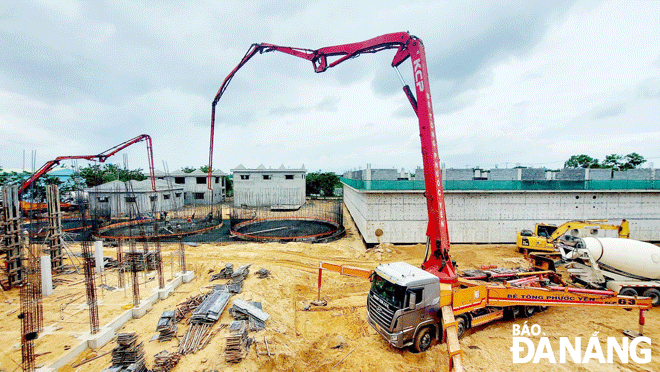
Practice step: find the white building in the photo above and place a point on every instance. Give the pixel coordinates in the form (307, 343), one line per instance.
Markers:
(195, 190)
(269, 187)
(128, 199)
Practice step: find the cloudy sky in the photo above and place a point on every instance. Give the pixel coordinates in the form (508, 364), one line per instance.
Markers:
(513, 83)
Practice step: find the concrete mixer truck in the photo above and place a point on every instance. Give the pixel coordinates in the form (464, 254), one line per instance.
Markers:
(629, 267)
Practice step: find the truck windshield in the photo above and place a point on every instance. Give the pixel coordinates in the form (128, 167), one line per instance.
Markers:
(390, 292)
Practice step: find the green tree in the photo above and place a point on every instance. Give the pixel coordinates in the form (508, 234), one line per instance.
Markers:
(95, 175)
(581, 161)
(204, 168)
(633, 160)
(323, 184)
(230, 185)
(188, 169)
(619, 162)
(613, 161)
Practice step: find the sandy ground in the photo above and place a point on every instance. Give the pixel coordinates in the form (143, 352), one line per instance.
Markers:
(303, 340)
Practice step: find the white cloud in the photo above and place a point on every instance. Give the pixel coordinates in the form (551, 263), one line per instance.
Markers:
(511, 83)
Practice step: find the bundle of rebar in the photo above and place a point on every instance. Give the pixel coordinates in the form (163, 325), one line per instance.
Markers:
(195, 338)
(185, 307)
(164, 361)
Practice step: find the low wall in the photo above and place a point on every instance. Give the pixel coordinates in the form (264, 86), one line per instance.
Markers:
(497, 216)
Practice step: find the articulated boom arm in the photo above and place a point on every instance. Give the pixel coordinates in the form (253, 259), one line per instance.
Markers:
(102, 157)
(408, 46)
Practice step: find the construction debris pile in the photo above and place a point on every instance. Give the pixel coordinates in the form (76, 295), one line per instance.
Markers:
(164, 361)
(166, 326)
(238, 343)
(251, 311)
(185, 307)
(128, 356)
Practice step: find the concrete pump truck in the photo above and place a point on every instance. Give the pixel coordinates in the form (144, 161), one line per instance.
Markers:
(411, 306)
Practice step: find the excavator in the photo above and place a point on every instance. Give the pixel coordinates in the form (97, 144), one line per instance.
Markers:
(101, 157)
(412, 306)
(544, 237)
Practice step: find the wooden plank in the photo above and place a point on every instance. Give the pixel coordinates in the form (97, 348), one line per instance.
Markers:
(453, 346)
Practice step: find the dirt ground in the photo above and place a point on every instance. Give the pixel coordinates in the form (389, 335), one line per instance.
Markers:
(303, 340)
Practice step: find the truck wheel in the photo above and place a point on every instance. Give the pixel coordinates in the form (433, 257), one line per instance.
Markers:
(528, 311)
(423, 340)
(461, 326)
(628, 292)
(654, 294)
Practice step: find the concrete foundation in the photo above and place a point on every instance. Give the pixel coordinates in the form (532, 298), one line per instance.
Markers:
(46, 276)
(107, 332)
(497, 216)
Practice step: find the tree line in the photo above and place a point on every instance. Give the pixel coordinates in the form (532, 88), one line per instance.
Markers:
(612, 161)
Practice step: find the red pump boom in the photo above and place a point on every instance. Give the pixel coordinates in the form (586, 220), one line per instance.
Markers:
(407, 46)
(102, 157)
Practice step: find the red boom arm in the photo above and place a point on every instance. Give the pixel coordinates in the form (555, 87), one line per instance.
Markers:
(408, 46)
(102, 157)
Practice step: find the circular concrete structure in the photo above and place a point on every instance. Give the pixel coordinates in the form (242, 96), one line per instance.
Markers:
(144, 229)
(287, 229)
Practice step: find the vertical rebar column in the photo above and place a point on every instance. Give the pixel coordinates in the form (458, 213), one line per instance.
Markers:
(159, 258)
(136, 283)
(34, 278)
(54, 228)
(90, 286)
(182, 256)
(27, 329)
(29, 306)
(120, 263)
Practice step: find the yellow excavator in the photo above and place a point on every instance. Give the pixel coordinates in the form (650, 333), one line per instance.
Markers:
(544, 237)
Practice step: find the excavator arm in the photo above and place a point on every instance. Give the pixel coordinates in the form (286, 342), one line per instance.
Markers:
(407, 46)
(102, 157)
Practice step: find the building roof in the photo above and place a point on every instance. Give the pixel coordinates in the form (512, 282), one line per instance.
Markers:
(262, 169)
(180, 173)
(135, 186)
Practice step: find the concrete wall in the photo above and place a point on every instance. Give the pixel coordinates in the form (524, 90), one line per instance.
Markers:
(532, 174)
(506, 174)
(599, 174)
(114, 203)
(278, 190)
(453, 174)
(191, 186)
(496, 217)
(384, 174)
(633, 174)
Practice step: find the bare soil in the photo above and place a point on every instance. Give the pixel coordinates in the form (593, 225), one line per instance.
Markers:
(303, 340)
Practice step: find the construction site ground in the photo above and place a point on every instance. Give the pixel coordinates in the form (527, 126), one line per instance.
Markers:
(331, 338)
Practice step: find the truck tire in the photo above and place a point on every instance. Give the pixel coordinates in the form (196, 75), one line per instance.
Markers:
(628, 292)
(423, 340)
(461, 326)
(654, 294)
(528, 311)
